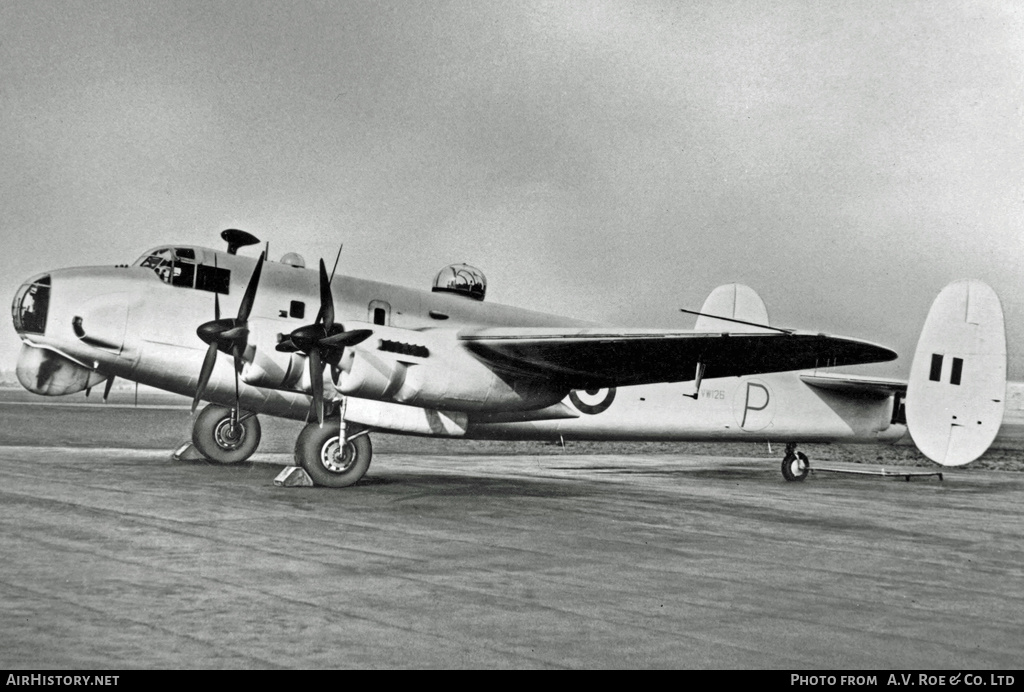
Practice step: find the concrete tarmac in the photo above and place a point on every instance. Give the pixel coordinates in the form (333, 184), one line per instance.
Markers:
(119, 559)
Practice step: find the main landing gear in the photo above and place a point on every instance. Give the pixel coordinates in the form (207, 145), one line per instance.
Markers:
(795, 465)
(320, 452)
(224, 435)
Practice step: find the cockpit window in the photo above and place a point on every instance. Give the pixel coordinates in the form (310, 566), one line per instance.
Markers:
(184, 274)
(161, 262)
(177, 266)
(31, 303)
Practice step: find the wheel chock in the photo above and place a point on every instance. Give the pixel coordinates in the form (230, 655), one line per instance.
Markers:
(187, 452)
(293, 477)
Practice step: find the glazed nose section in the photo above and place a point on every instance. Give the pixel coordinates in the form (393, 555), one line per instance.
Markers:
(31, 305)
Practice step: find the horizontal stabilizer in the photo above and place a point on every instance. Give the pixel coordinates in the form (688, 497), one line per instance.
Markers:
(856, 385)
(736, 302)
(957, 388)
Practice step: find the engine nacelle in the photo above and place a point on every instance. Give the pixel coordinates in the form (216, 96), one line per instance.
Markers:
(366, 375)
(264, 365)
(432, 369)
(46, 372)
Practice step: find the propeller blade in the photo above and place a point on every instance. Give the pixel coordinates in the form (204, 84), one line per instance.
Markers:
(351, 338)
(287, 346)
(245, 307)
(326, 300)
(316, 377)
(106, 388)
(204, 374)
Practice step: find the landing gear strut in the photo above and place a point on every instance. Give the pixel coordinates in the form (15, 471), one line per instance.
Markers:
(225, 436)
(319, 451)
(795, 465)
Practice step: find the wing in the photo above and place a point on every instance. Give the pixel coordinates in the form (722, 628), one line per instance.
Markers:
(594, 358)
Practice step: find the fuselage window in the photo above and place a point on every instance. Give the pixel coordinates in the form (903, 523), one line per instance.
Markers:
(297, 309)
(379, 312)
(213, 279)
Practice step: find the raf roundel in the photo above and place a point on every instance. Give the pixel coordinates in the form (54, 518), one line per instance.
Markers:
(592, 401)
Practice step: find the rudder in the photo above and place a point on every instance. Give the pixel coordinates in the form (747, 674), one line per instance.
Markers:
(957, 389)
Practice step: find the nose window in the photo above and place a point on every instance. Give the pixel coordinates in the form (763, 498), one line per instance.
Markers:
(31, 303)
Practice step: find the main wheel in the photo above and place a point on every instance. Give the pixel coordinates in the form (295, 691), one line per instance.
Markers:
(319, 452)
(216, 439)
(795, 467)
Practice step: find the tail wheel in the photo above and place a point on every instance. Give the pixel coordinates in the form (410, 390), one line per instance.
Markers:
(795, 467)
(319, 451)
(219, 441)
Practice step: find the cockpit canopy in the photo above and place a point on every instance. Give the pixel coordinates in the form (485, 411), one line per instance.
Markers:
(182, 267)
(462, 279)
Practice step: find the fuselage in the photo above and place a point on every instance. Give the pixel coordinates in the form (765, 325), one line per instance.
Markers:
(83, 325)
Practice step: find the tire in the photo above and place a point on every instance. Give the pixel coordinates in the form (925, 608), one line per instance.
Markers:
(795, 467)
(212, 435)
(316, 451)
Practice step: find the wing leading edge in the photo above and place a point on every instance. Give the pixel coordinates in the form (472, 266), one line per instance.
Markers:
(596, 358)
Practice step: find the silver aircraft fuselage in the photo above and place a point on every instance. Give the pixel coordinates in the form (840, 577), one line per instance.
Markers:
(133, 323)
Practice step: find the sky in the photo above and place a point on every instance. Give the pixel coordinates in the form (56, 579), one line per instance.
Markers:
(611, 161)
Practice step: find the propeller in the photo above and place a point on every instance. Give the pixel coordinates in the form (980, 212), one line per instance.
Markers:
(229, 334)
(322, 342)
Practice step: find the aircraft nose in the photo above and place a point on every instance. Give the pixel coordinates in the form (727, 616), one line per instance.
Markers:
(65, 308)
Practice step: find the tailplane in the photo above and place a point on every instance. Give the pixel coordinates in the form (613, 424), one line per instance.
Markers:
(957, 388)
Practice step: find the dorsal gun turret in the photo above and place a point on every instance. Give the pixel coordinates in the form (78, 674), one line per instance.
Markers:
(461, 279)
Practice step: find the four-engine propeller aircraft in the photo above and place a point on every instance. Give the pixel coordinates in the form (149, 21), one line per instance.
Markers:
(380, 357)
